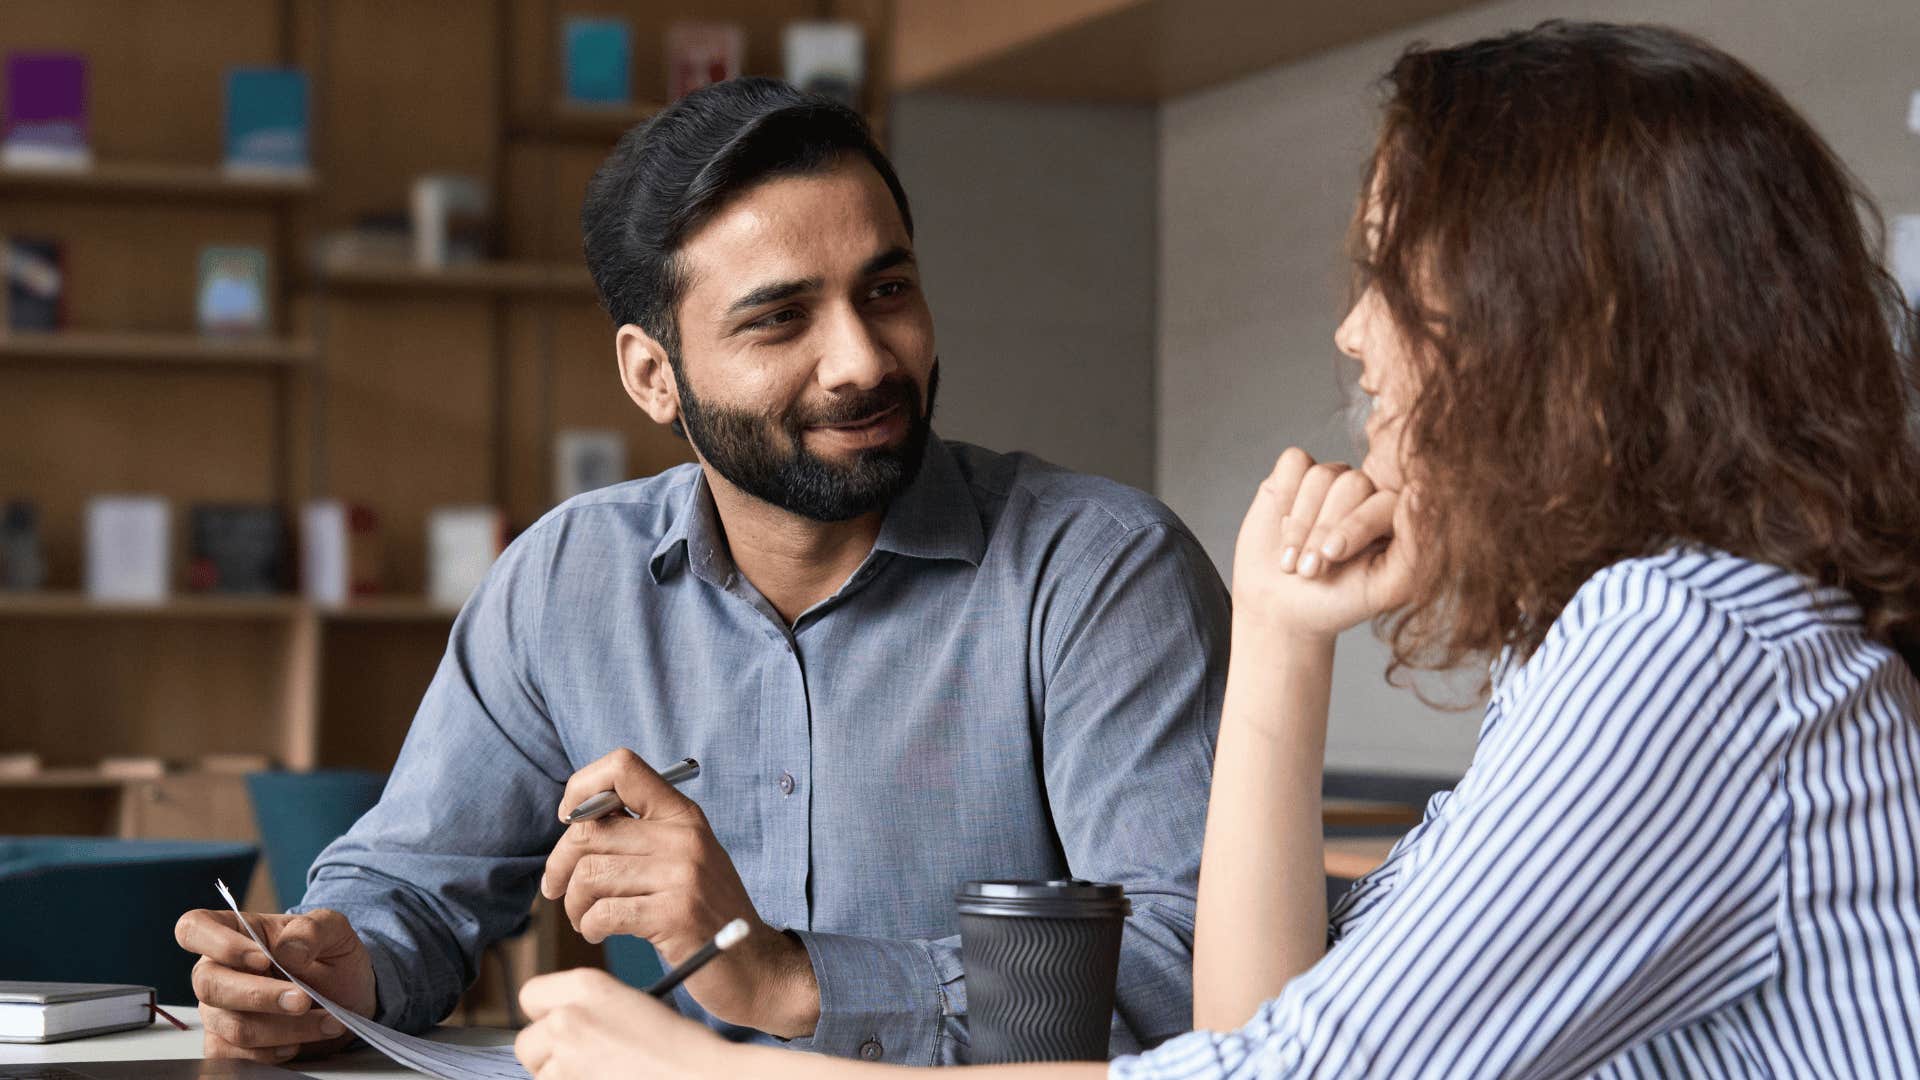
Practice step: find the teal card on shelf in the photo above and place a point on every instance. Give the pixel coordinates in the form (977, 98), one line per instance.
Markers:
(267, 120)
(598, 62)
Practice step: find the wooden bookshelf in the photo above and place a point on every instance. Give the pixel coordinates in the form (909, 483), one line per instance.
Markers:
(560, 122)
(155, 349)
(58, 605)
(64, 780)
(493, 277)
(395, 388)
(390, 610)
(66, 605)
(153, 180)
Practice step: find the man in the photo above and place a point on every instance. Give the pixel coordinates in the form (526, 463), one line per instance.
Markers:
(901, 663)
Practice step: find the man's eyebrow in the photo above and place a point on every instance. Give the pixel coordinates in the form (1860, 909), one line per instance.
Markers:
(887, 260)
(773, 294)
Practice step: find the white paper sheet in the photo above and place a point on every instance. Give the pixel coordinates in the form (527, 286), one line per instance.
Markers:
(420, 1055)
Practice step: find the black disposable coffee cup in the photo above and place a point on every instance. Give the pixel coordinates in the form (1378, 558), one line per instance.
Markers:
(1041, 959)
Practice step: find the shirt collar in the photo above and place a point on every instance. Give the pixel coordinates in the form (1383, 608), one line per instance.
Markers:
(935, 518)
(694, 531)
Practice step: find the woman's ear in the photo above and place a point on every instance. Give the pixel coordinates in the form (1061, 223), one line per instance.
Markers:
(647, 374)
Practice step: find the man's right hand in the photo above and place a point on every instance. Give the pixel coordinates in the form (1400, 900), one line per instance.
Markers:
(247, 1009)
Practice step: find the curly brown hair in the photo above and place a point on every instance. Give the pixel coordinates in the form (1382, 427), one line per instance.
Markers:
(1645, 307)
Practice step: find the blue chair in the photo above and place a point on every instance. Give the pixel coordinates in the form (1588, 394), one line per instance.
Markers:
(91, 910)
(300, 813)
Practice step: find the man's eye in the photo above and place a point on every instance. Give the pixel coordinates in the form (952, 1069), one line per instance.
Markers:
(778, 318)
(888, 289)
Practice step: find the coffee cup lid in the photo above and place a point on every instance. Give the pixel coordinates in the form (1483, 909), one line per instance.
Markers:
(1070, 898)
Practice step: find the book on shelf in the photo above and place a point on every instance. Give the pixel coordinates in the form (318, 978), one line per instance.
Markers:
(36, 295)
(462, 542)
(233, 296)
(377, 239)
(234, 764)
(236, 548)
(22, 567)
(339, 551)
(826, 56)
(585, 459)
(267, 122)
(450, 220)
(46, 118)
(702, 53)
(129, 544)
(133, 767)
(43, 1012)
(598, 61)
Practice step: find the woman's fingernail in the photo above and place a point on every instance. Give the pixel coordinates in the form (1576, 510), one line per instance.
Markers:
(330, 1026)
(1309, 564)
(1287, 557)
(1334, 546)
(285, 1052)
(292, 1000)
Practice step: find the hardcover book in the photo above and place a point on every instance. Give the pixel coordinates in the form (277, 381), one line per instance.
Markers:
(236, 548)
(36, 271)
(462, 542)
(598, 61)
(267, 121)
(46, 119)
(339, 552)
(41, 1012)
(826, 57)
(129, 541)
(699, 54)
(233, 290)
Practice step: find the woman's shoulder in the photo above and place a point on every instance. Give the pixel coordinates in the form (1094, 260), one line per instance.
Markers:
(1685, 592)
(1689, 613)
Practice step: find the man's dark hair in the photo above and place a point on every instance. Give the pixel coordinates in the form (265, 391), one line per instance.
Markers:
(668, 176)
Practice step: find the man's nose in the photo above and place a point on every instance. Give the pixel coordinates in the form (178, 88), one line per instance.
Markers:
(853, 357)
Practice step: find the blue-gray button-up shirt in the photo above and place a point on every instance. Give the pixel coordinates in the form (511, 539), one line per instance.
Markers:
(1022, 680)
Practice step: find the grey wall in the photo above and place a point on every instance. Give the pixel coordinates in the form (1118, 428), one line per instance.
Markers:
(1256, 181)
(1035, 232)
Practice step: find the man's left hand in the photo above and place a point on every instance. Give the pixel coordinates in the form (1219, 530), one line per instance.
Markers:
(663, 876)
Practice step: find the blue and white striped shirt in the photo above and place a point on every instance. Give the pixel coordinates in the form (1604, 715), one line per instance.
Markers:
(1688, 845)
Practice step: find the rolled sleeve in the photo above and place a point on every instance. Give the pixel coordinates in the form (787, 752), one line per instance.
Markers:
(886, 1000)
(447, 862)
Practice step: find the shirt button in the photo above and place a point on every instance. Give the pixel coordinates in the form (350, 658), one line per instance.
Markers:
(786, 784)
(871, 1050)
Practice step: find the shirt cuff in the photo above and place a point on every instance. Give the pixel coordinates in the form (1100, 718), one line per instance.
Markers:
(880, 999)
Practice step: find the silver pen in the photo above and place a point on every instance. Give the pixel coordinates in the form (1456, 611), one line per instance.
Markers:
(597, 806)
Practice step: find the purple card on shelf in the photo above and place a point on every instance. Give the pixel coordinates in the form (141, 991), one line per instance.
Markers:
(46, 121)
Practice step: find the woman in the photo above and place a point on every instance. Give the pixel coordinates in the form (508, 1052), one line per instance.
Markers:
(1644, 436)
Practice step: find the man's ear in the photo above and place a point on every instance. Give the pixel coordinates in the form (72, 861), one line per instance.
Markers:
(646, 374)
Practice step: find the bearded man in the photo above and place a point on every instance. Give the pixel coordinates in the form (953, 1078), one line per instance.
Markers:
(902, 663)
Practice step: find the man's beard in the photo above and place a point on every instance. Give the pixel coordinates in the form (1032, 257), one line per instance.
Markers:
(745, 447)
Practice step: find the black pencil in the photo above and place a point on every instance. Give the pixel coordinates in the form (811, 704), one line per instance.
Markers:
(729, 936)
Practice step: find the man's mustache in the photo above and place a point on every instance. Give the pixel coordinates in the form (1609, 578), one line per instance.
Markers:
(846, 410)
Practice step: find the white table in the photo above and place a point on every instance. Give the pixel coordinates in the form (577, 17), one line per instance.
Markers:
(163, 1040)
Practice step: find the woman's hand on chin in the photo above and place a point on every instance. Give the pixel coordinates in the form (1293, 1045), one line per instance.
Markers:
(1321, 550)
(587, 1024)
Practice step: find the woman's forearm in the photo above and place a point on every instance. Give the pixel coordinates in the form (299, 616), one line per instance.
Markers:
(1262, 915)
(733, 1060)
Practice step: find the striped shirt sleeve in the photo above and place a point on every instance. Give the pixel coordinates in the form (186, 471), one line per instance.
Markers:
(1607, 870)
